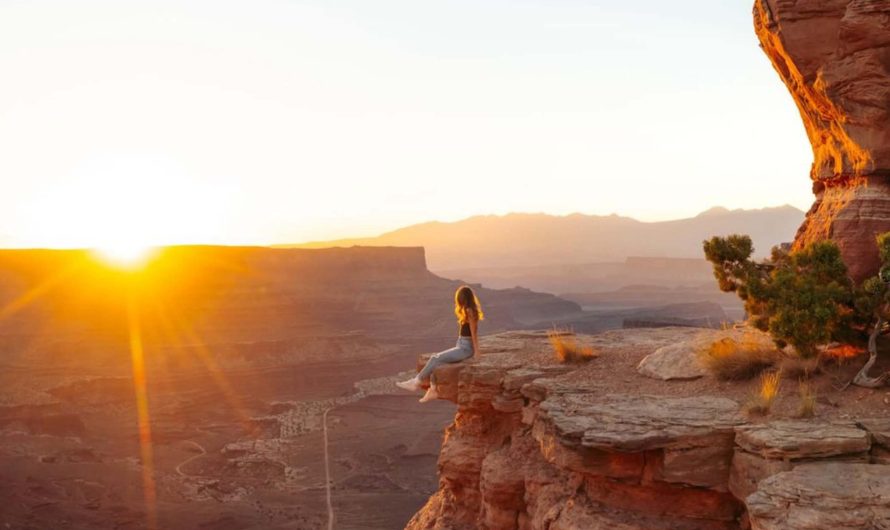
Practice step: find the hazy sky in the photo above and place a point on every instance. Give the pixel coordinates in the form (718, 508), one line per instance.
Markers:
(275, 121)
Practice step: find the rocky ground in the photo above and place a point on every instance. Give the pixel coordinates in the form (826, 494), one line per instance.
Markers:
(608, 444)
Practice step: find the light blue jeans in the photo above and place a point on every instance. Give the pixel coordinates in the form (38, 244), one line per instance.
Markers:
(462, 350)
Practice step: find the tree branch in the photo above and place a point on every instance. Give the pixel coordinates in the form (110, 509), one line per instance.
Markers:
(862, 378)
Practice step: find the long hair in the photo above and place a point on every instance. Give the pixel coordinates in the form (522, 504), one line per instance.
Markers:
(466, 305)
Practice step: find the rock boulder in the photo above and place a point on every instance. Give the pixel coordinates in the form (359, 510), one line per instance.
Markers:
(675, 361)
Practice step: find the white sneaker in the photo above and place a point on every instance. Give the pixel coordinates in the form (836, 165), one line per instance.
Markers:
(412, 385)
(430, 395)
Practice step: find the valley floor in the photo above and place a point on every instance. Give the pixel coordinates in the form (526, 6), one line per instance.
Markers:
(251, 457)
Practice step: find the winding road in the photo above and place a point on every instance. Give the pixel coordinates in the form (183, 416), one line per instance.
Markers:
(186, 461)
(327, 469)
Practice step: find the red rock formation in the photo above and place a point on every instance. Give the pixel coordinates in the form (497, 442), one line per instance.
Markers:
(534, 447)
(834, 57)
(527, 453)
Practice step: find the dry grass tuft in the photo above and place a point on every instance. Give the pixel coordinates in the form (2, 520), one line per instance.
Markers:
(730, 359)
(762, 403)
(566, 347)
(807, 408)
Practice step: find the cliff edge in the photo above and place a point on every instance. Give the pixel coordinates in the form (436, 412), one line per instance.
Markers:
(536, 444)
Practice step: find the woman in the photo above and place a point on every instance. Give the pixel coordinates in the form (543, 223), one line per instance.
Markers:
(469, 313)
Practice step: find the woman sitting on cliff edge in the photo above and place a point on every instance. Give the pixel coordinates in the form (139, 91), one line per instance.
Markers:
(469, 312)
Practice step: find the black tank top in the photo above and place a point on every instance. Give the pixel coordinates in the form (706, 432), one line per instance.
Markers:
(465, 330)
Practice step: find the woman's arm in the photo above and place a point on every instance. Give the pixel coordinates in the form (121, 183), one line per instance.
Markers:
(474, 325)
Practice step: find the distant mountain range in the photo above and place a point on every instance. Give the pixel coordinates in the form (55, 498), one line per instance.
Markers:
(521, 239)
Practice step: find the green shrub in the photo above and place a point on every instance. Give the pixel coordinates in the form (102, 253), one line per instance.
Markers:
(805, 298)
(802, 298)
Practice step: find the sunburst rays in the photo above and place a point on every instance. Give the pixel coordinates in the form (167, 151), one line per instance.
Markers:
(181, 333)
(135, 306)
(143, 418)
(44, 287)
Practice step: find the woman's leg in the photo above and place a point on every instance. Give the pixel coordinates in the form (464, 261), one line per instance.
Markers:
(434, 362)
(452, 355)
(458, 353)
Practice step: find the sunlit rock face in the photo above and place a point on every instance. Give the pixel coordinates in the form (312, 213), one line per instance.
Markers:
(834, 57)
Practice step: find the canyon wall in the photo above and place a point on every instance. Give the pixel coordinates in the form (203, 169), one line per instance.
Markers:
(834, 57)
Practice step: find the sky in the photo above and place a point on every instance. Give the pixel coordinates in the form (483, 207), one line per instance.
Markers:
(258, 122)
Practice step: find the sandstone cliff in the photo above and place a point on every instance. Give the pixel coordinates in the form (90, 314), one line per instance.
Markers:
(833, 57)
(541, 445)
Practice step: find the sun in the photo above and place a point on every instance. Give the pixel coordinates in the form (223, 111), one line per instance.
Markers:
(126, 208)
(125, 255)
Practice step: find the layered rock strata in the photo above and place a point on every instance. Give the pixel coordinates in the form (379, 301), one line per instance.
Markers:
(767, 449)
(833, 57)
(818, 496)
(532, 448)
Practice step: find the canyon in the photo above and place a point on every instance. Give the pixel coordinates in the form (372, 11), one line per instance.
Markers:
(238, 357)
(252, 387)
(832, 56)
